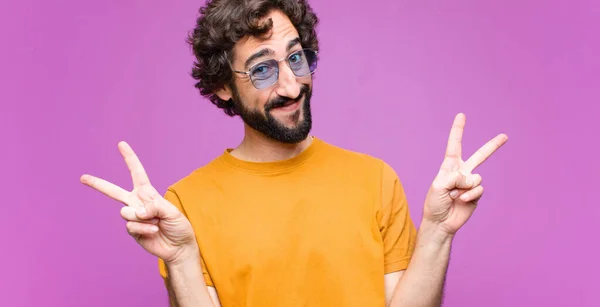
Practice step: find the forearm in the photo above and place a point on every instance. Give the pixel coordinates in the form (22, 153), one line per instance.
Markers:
(186, 284)
(422, 283)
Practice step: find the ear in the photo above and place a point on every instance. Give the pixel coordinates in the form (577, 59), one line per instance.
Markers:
(224, 93)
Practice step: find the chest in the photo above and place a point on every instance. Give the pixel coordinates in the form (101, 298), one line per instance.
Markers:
(271, 225)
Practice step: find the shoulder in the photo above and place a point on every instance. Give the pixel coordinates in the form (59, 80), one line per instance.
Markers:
(198, 178)
(371, 173)
(359, 161)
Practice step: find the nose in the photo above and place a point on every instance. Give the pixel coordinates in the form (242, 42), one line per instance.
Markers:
(287, 85)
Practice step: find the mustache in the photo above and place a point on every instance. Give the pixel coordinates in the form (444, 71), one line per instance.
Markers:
(281, 101)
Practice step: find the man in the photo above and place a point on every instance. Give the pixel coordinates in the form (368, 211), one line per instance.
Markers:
(286, 219)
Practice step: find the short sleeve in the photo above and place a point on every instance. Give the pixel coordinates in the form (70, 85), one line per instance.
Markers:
(397, 228)
(173, 198)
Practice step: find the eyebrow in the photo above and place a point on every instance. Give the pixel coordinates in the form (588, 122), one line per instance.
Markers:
(291, 44)
(266, 51)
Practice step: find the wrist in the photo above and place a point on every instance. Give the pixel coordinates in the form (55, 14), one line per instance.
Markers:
(185, 254)
(432, 232)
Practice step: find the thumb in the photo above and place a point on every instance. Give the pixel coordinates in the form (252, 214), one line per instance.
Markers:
(154, 206)
(160, 209)
(465, 181)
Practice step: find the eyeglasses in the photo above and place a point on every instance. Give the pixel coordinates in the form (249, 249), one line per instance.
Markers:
(266, 73)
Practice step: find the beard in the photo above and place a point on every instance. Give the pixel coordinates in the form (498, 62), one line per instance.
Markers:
(269, 126)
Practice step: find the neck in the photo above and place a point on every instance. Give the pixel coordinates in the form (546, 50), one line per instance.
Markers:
(256, 147)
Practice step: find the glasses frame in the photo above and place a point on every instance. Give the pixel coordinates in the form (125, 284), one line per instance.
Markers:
(286, 59)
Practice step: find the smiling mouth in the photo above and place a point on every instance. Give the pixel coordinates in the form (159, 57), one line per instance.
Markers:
(289, 103)
(289, 106)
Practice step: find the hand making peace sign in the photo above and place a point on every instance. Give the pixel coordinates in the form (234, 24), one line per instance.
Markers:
(156, 224)
(455, 191)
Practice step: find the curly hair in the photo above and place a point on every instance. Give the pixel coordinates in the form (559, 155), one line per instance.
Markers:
(222, 23)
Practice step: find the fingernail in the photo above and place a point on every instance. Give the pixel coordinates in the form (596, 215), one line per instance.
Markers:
(141, 211)
(453, 193)
(154, 229)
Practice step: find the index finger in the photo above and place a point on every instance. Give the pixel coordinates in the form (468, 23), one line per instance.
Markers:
(485, 152)
(138, 174)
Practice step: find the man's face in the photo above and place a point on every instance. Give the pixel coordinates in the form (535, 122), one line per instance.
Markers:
(280, 111)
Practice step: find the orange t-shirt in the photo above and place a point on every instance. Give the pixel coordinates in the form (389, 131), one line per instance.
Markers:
(319, 229)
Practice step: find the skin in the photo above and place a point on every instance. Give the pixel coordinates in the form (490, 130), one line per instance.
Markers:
(163, 231)
(450, 202)
(255, 146)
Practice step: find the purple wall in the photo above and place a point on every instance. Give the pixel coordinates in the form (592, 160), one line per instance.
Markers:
(79, 76)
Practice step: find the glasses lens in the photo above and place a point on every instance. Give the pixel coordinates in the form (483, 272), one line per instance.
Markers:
(264, 74)
(303, 62)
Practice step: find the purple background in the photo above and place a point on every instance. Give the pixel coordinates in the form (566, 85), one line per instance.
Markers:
(79, 76)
